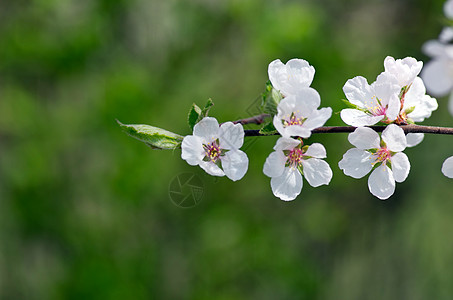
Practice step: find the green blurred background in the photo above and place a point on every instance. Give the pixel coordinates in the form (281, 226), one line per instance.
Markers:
(85, 211)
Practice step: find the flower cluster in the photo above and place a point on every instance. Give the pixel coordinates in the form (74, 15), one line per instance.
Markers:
(216, 149)
(297, 115)
(397, 97)
(438, 73)
(298, 112)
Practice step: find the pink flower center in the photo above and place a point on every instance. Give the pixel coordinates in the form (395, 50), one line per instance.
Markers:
(212, 151)
(382, 155)
(293, 120)
(294, 157)
(377, 110)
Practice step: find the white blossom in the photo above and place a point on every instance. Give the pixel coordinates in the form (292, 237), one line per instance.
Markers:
(448, 9)
(404, 70)
(416, 105)
(446, 35)
(216, 149)
(447, 167)
(397, 96)
(413, 139)
(438, 72)
(289, 78)
(289, 161)
(382, 155)
(375, 103)
(297, 115)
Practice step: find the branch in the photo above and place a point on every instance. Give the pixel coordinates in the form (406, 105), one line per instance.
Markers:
(341, 129)
(258, 119)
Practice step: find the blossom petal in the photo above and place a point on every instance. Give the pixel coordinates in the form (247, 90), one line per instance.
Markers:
(284, 143)
(446, 35)
(296, 130)
(433, 48)
(405, 70)
(289, 78)
(287, 106)
(394, 138)
(358, 118)
(364, 138)
(358, 91)
(278, 125)
(276, 70)
(275, 164)
(231, 136)
(387, 91)
(318, 118)
(447, 167)
(287, 186)
(393, 107)
(413, 139)
(317, 172)
(192, 150)
(235, 164)
(437, 77)
(307, 100)
(420, 104)
(211, 168)
(381, 182)
(385, 86)
(423, 109)
(400, 166)
(356, 163)
(207, 129)
(448, 9)
(414, 95)
(316, 150)
(301, 70)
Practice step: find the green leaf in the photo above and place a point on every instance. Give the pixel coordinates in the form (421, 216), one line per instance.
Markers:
(207, 107)
(196, 114)
(403, 91)
(271, 99)
(409, 110)
(268, 129)
(350, 105)
(154, 137)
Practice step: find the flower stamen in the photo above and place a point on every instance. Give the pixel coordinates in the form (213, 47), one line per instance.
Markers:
(293, 120)
(377, 110)
(295, 157)
(212, 151)
(382, 155)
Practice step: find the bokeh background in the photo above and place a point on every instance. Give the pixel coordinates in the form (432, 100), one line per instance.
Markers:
(85, 211)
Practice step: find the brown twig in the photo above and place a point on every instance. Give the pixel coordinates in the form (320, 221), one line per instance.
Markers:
(258, 119)
(342, 129)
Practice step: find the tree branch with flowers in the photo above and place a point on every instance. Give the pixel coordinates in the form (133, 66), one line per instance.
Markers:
(391, 105)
